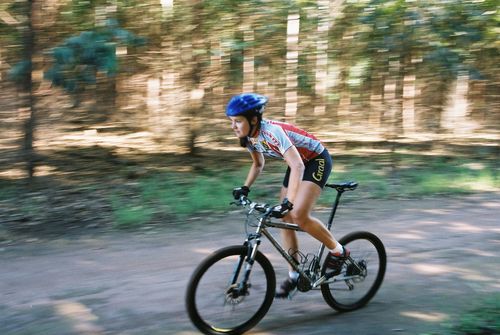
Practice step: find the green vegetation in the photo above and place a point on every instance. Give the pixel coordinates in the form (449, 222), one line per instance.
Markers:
(430, 176)
(179, 195)
(169, 194)
(484, 319)
(128, 215)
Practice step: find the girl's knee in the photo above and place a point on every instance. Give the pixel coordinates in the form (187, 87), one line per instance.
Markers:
(301, 217)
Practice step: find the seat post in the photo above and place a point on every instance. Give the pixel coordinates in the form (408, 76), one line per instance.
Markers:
(334, 207)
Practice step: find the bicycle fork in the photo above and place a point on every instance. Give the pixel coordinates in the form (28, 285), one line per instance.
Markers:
(247, 260)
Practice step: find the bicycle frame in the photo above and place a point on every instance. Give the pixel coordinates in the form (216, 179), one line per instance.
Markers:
(254, 239)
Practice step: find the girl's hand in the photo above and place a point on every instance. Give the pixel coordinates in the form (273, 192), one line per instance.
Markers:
(239, 191)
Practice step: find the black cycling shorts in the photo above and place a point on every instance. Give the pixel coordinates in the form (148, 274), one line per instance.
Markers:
(317, 170)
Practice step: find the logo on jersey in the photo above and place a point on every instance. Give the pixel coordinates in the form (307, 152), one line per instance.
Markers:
(274, 141)
(265, 145)
(318, 175)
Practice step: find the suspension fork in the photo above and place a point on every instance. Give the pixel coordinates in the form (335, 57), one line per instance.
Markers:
(247, 260)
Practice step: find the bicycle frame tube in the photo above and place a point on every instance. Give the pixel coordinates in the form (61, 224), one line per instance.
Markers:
(334, 209)
(296, 266)
(330, 220)
(293, 263)
(262, 229)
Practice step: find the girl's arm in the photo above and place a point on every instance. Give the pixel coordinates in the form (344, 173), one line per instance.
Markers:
(256, 168)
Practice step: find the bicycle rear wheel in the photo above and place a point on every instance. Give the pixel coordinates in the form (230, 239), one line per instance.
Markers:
(361, 275)
(216, 300)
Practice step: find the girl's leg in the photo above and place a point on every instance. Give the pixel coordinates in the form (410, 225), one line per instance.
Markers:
(291, 245)
(289, 237)
(301, 214)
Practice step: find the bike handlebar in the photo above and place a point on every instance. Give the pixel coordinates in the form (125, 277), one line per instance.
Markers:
(265, 209)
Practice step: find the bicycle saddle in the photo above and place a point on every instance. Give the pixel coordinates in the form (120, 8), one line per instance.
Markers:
(345, 186)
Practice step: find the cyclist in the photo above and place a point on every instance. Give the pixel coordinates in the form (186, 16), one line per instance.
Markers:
(309, 165)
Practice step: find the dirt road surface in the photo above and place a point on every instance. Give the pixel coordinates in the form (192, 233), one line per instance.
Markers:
(443, 258)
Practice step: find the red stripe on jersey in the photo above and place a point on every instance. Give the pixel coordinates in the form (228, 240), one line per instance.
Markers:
(305, 153)
(290, 127)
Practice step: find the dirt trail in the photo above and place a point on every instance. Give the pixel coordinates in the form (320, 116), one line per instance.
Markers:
(442, 258)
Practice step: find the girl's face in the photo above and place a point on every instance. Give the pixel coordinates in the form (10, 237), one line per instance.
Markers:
(240, 125)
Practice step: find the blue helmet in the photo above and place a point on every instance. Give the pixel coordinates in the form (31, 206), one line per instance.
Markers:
(243, 103)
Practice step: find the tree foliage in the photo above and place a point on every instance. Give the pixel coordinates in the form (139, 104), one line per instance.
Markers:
(78, 59)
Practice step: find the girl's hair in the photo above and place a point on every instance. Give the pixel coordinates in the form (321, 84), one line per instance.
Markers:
(244, 141)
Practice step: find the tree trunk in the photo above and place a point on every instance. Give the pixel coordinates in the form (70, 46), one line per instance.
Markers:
(321, 66)
(105, 88)
(194, 77)
(292, 61)
(28, 95)
(248, 58)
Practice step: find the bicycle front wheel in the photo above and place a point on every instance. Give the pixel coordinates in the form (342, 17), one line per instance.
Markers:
(220, 301)
(360, 276)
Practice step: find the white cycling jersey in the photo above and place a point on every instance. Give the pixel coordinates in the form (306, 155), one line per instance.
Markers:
(275, 138)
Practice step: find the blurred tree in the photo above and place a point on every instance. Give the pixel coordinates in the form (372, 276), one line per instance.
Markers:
(385, 66)
(464, 43)
(79, 60)
(196, 61)
(22, 74)
(27, 84)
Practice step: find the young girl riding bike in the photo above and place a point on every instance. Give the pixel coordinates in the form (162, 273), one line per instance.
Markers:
(309, 165)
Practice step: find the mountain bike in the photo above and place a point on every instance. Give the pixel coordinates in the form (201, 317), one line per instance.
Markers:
(233, 288)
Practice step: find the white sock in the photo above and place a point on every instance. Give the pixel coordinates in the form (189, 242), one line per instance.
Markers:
(339, 249)
(294, 275)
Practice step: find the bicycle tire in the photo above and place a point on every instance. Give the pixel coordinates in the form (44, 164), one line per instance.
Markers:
(368, 251)
(240, 315)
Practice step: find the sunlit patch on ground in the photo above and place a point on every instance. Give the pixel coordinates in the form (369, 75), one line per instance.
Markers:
(482, 253)
(476, 276)
(432, 269)
(45, 170)
(465, 227)
(407, 236)
(203, 251)
(436, 211)
(428, 317)
(463, 273)
(491, 204)
(15, 173)
(80, 316)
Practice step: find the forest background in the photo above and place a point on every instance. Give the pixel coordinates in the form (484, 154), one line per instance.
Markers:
(112, 111)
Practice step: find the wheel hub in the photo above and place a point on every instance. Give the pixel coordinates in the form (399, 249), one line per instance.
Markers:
(235, 294)
(358, 271)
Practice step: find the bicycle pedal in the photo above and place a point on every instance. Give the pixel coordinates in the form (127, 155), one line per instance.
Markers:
(289, 296)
